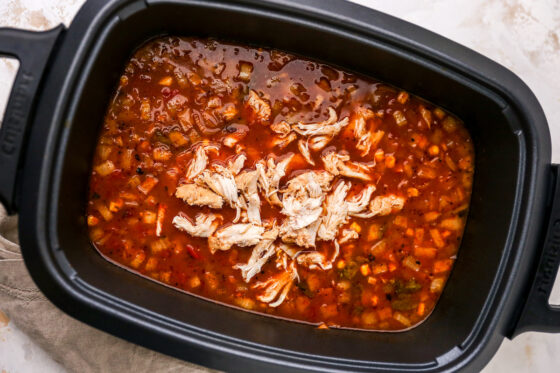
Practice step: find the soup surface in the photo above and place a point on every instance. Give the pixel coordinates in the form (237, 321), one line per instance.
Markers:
(280, 185)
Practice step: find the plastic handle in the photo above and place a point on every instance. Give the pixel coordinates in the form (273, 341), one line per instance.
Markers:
(32, 49)
(538, 315)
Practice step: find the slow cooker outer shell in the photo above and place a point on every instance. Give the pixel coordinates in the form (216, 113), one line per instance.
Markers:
(53, 234)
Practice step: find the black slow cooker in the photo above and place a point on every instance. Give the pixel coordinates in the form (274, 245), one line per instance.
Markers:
(506, 264)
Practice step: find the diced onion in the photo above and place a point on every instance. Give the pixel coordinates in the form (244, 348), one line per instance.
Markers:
(245, 70)
(402, 97)
(160, 245)
(104, 151)
(400, 119)
(105, 168)
(411, 263)
(401, 318)
(436, 285)
(427, 252)
(104, 211)
(453, 224)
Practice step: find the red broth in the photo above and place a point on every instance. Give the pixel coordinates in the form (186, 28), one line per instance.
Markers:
(381, 265)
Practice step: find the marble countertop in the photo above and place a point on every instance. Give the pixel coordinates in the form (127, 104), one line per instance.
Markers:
(523, 35)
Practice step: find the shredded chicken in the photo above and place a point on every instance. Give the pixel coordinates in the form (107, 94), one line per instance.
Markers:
(289, 250)
(359, 202)
(235, 234)
(285, 254)
(199, 161)
(337, 212)
(270, 174)
(315, 259)
(247, 183)
(348, 235)
(236, 164)
(303, 147)
(221, 182)
(329, 127)
(303, 198)
(260, 255)
(340, 164)
(204, 225)
(338, 209)
(383, 205)
(322, 133)
(277, 287)
(260, 107)
(302, 204)
(283, 141)
(321, 178)
(368, 141)
(317, 143)
(200, 196)
(282, 128)
(367, 137)
(359, 121)
(304, 237)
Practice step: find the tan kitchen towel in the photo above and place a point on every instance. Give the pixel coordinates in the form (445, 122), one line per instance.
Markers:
(72, 344)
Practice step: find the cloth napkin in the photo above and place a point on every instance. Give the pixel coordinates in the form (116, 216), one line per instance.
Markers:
(39, 325)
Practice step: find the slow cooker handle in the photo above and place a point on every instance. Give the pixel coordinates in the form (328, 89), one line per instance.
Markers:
(538, 314)
(32, 50)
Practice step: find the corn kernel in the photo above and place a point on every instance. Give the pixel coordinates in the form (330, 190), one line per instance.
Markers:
(341, 264)
(165, 276)
(92, 220)
(392, 267)
(167, 81)
(431, 216)
(390, 161)
(151, 264)
(421, 309)
(355, 226)
(379, 155)
(115, 206)
(400, 221)
(385, 313)
(374, 232)
(148, 217)
(409, 232)
(194, 282)
(433, 150)
(412, 192)
(365, 269)
(402, 97)
(442, 265)
(371, 280)
(138, 259)
(374, 300)
(439, 113)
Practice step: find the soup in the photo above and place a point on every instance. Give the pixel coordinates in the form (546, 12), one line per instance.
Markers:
(280, 185)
